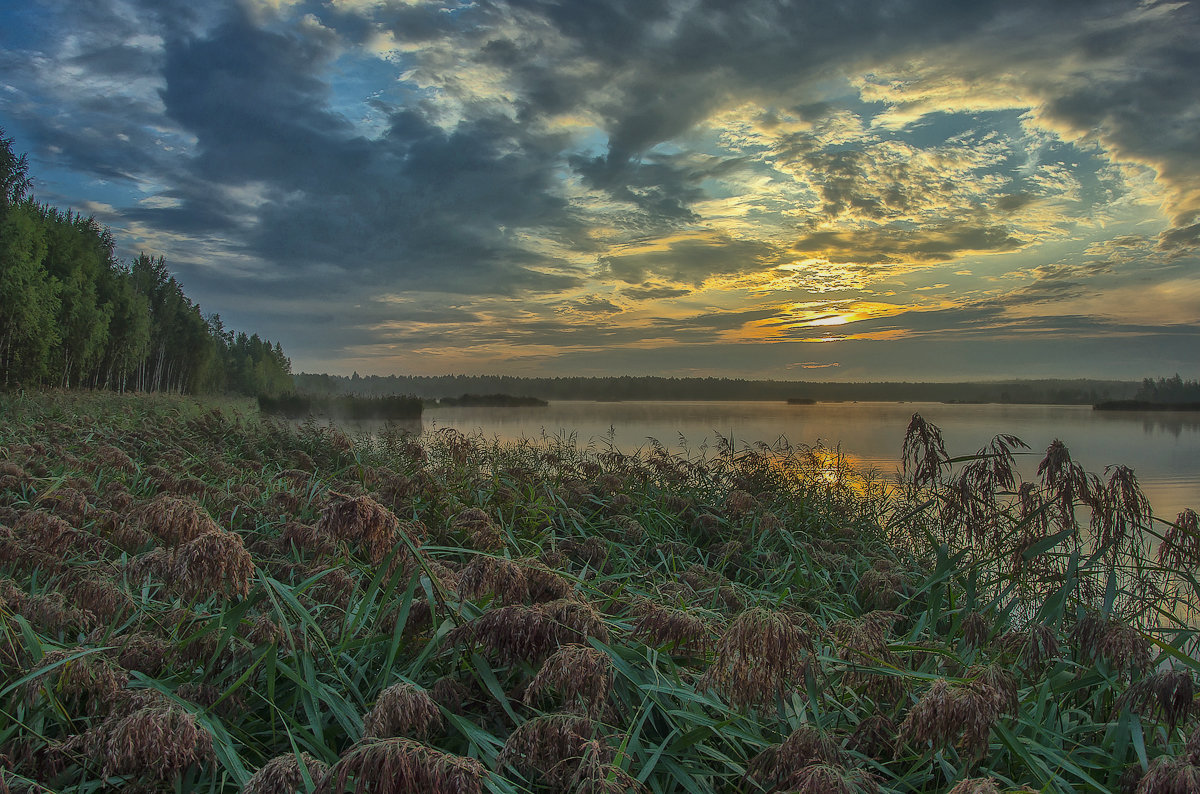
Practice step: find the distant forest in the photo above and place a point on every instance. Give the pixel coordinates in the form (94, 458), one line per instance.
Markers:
(72, 316)
(1072, 392)
(1169, 391)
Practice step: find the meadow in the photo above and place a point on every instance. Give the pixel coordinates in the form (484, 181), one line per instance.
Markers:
(197, 598)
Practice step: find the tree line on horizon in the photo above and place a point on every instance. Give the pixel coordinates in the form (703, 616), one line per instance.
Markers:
(1169, 391)
(630, 387)
(73, 316)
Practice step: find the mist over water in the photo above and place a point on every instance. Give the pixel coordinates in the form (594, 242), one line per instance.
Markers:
(1162, 448)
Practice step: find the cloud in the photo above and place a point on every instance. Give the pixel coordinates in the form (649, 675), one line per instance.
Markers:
(893, 244)
(674, 172)
(689, 259)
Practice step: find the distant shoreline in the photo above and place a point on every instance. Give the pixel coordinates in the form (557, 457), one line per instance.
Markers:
(1143, 405)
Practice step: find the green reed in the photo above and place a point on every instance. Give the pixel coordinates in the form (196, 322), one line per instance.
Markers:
(196, 598)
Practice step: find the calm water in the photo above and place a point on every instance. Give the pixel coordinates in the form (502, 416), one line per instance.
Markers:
(1162, 449)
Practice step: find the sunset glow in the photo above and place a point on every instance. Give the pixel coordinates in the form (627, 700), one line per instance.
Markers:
(641, 187)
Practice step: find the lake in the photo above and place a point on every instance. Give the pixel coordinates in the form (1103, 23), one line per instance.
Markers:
(1162, 448)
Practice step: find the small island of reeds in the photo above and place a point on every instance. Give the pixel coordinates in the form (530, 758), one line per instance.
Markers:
(195, 596)
(801, 401)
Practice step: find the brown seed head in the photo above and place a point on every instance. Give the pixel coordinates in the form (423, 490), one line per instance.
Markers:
(285, 774)
(780, 763)
(553, 746)
(580, 674)
(975, 785)
(175, 520)
(1180, 547)
(760, 655)
(1169, 695)
(403, 709)
(155, 742)
(1170, 776)
(361, 521)
(404, 766)
(91, 681)
(684, 630)
(924, 452)
(215, 563)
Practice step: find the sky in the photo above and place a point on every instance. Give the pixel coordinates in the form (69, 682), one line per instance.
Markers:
(805, 190)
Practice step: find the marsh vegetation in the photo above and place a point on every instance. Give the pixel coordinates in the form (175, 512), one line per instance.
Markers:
(195, 598)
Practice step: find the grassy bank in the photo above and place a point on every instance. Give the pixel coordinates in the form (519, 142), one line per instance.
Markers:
(200, 599)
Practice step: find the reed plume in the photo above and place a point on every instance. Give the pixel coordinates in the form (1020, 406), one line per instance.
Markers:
(530, 633)
(581, 675)
(154, 741)
(759, 657)
(552, 746)
(361, 521)
(403, 709)
(682, 630)
(1180, 547)
(286, 774)
(404, 766)
(924, 453)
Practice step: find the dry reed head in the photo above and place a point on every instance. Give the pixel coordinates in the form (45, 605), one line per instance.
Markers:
(404, 766)
(175, 520)
(481, 532)
(776, 766)
(1064, 481)
(285, 774)
(1180, 547)
(213, 564)
(924, 452)
(361, 521)
(552, 746)
(684, 630)
(820, 778)
(305, 537)
(102, 597)
(499, 576)
(529, 633)
(966, 711)
(595, 775)
(1120, 512)
(1170, 776)
(1033, 647)
(880, 588)
(760, 655)
(403, 709)
(154, 741)
(975, 629)
(1119, 644)
(580, 674)
(49, 534)
(91, 681)
(875, 736)
(67, 502)
(1169, 695)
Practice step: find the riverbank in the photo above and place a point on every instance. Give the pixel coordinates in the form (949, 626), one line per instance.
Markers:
(200, 596)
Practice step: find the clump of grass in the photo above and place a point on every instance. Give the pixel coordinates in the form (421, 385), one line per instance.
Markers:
(760, 619)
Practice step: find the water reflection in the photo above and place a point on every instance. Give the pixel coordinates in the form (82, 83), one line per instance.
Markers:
(1163, 449)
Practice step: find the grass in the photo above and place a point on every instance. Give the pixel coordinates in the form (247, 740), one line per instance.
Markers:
(197, 598)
